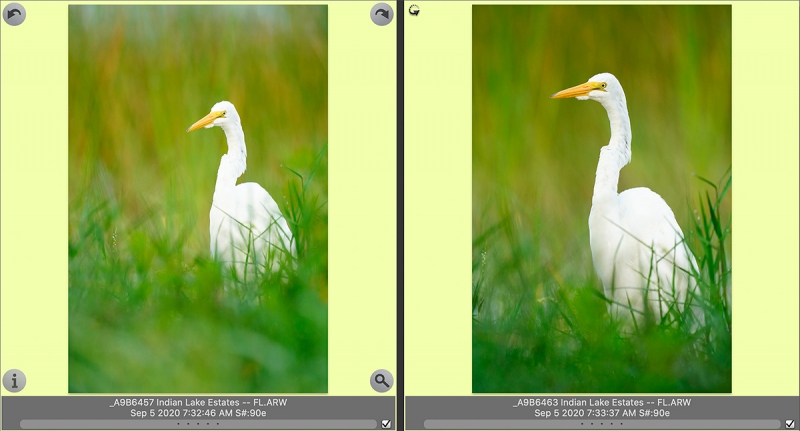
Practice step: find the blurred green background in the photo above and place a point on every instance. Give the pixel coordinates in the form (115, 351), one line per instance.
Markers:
(146, 309)
(533, 169)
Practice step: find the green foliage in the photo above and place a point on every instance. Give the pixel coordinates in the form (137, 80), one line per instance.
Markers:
(711, 244)
(540, 322)
(536, 330)
(149, 309)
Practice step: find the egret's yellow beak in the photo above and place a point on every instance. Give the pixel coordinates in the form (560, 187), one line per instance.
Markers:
(578, 90)
(205, 121)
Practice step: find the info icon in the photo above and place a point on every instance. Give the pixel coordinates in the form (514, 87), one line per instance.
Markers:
(14, 380)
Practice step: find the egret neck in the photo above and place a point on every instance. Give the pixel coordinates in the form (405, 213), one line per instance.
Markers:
(615, 155)
(234, 163)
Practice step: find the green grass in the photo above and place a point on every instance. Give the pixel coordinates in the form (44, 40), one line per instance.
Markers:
(540, 322)
(538, 330)
(149, 310)
(145, 316)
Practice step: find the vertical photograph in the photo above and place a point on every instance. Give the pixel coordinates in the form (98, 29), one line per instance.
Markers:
(601, 199)
(198, 199)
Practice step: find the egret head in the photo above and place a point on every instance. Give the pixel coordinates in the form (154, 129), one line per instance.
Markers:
(222, 114)
(602, 87)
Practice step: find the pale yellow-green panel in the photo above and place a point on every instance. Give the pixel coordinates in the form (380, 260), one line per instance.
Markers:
(438, 66)
(765, 202)
(362, 207)
(438, 172)
(33, 199)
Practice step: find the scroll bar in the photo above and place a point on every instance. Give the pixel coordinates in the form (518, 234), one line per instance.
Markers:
(611, 424)
(204, 424)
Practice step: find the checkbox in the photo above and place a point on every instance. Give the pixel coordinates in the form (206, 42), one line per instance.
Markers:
(789, 424)
(386, 424)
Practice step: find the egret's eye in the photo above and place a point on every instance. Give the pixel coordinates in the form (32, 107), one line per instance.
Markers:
(603, 85)
(223, 112)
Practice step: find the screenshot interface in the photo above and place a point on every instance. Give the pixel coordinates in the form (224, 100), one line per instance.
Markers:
(353, 215)
(199, 216)
(573, 164)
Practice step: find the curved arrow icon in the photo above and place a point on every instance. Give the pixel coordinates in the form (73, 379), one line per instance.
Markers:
(383, 12)
(11, 13)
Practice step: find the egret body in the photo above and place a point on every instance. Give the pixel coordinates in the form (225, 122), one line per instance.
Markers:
(247, 228)
(637, 247)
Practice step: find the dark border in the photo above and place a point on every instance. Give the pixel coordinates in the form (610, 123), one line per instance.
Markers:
(400, 15)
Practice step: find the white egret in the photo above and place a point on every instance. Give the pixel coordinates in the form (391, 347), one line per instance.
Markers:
(247, 228)
(638, 248)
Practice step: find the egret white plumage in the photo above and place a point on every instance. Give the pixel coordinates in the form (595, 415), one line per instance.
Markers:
(247, 228)
(637, 247)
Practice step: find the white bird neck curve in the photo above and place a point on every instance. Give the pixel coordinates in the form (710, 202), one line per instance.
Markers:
(615, 155)
(234, 162)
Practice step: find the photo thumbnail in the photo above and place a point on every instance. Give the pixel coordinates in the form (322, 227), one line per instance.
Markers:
(198, 199)
(601, 185)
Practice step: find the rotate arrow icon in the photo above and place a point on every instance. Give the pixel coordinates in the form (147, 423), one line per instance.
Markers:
(11, 13)
(383, 12)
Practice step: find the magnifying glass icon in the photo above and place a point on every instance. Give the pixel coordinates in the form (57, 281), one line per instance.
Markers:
(381, 380)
